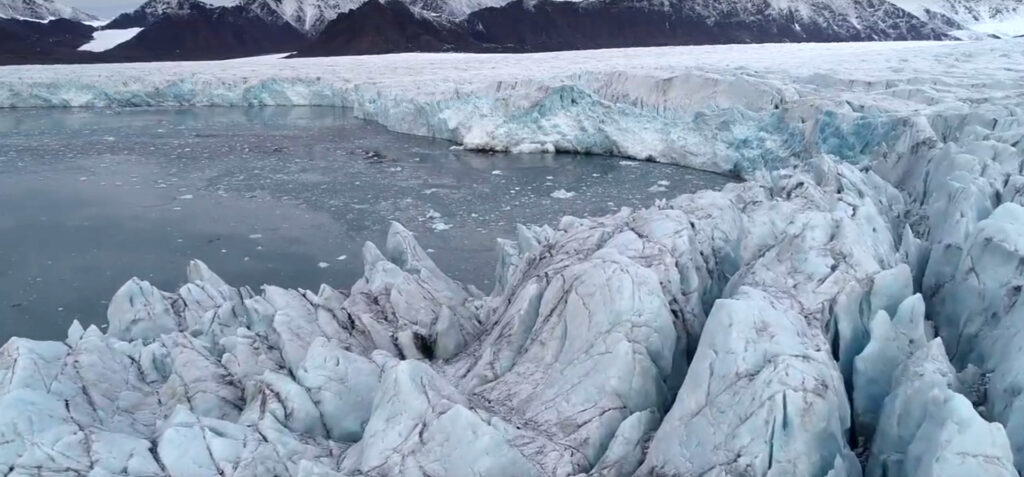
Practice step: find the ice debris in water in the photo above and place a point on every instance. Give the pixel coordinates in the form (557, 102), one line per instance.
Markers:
(562, 194)
(862, 281)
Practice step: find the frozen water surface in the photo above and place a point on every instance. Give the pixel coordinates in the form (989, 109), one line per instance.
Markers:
(90, 198)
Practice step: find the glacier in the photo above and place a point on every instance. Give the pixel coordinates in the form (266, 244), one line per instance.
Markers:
(850, 309)
(103, 40)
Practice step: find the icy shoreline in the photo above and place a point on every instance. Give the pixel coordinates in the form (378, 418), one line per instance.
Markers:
(734, 109)
(869, 275)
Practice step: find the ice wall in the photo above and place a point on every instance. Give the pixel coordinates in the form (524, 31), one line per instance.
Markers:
(734, 109)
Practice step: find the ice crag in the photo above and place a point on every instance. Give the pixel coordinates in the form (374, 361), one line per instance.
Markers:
(927, 428)
(852, 309)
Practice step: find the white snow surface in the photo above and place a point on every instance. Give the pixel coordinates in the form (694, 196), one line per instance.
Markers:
(103, 40)
(1002, 18)
(874, 257)
(42, 10)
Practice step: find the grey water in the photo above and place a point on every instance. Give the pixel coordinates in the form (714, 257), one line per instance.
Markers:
(284, 195)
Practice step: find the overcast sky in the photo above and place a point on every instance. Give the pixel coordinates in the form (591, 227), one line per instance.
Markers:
(108, 9)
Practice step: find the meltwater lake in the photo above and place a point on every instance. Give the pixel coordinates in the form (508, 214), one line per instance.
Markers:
(286, 195)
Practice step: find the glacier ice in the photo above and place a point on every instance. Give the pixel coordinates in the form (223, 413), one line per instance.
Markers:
(857, 295)
(766, 383)
(927, 428)
(892, 341)
(979, 317)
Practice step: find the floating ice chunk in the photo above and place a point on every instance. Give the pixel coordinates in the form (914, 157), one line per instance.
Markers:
(440, 226)
(562, 194)
(533, 148)
(323, 265)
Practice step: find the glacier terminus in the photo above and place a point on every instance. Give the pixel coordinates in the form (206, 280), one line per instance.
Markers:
(850, 307)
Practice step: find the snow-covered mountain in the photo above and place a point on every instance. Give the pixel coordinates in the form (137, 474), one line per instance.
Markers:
(209, 32)
(309, 16)
(541, 25)
(377, 27)
(1003, 18)
(153, 10)
(556, 25)
(42, 10)
(312, 16)
(544, 25)
(34, 41)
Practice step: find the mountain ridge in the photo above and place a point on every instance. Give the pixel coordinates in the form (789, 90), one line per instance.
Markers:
(42, 10)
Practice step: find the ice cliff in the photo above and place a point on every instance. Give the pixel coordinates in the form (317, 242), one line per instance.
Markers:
(850, 310)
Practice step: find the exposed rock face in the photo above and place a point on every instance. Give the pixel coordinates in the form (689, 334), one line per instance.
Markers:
(312, 16)
(42, 10)
(394, 26)
(551, 25)
(152, 11)
(356, 27)
(970, 18)
(387, 27)
(208, 33)
(54, 41)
